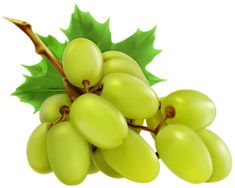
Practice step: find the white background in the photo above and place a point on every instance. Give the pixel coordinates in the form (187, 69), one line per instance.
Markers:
(197, 39)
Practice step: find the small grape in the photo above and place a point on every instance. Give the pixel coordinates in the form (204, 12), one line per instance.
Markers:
(50, 108)
(37, 149)
(192, 108)
(134, 98)
(82, 60)
(120, 65)
(115, 54)
(184, 153)
(134, 159)
(102, 165)
(154, 121)
(99, 121)
(220, 155)
(69, 153)
(93, 169)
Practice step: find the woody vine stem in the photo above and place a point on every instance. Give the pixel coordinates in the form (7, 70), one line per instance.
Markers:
(72, 91)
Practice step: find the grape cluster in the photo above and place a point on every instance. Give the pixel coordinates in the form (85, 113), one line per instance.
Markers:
(99, 129)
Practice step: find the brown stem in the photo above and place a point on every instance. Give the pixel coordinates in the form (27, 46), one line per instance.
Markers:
(69, 90)
(41, 49)
(169, 113)
(64, 110)
(141, 127)
(86, 84)
(96, 88)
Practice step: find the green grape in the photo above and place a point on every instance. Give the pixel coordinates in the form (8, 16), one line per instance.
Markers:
(192, 108)
(102, 165)
(69, 153)
(121, 65)
(82, 60)
(93, 169)
(184, 153)
(134, 159)
(154, 121)
(134, 98)
(137, 122)
(50, 108)
(100, 122)
(37, 149)
(220, 154)
(116, 54)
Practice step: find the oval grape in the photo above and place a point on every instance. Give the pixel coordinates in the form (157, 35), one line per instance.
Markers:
(93, 169)
(37, 149)
(82, 60)
(116, 54)
(50, 108)
(100, 122)
(102, 165)
(134, 98)
(121, 65)
(220, 155)
(69, 153)
(184, 153)
(134, 159)
(192, 108)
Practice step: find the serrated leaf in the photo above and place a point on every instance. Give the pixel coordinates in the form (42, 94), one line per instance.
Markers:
(40, 86)
(140, 47)
(82, 24)
(44, 80)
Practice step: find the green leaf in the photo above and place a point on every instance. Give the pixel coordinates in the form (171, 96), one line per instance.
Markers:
(40, 86)
(44, 80)
(82, 24)
(140, 47)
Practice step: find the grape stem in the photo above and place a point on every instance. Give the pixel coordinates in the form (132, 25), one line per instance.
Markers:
(141, 127)
(41, 49)
(169, 113)
(64, 111)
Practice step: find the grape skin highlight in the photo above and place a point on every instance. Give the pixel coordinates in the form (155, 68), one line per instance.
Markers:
(192, 108)
(220, 155)
(134, 159)
(69, 153)
(99, 121)
(37, 149)
(184, 153)
(134, 98)
(50, 108)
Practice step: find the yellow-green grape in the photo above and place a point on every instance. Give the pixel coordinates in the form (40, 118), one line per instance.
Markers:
(102, 165)
(50, 108)
(93, 169)
(154, 121)
(116, 54)
(138, 122)
(220, 155)
(134, 98)
(37, 149)
(82, 60)
(121, 65)
(192, 108)
(100, 122)
(69, 153)
(134, 159)
(184, 153)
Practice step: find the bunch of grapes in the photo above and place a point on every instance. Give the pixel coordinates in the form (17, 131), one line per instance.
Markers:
(98, 130)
